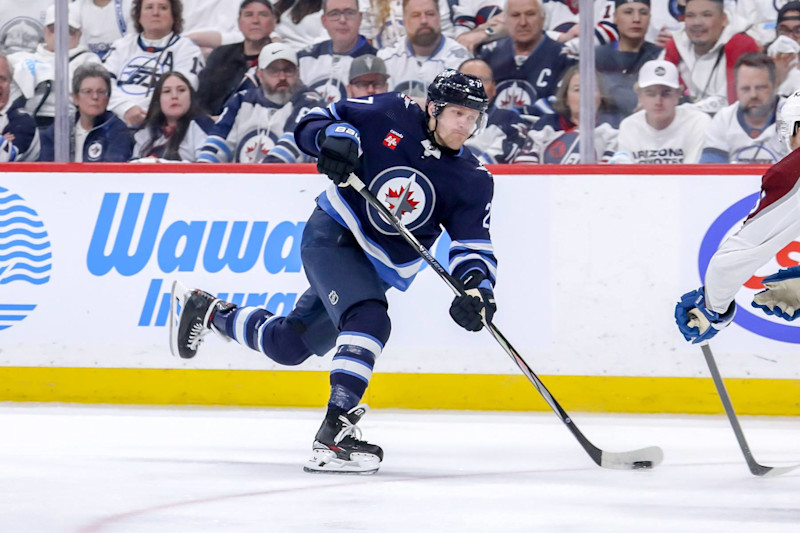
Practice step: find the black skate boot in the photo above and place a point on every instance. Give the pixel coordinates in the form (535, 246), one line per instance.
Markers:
(338, 448)
(190, 318)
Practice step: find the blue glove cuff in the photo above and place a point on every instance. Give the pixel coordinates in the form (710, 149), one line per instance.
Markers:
(343, 129)
(786, 273)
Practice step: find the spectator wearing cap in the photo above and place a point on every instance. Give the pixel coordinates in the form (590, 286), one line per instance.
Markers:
(19, 138)
(505, 132)
(619, 62)
(785, 48)
(324, 67)
(705, 52)
(96, 134)
(137, 61)
(253, 121)
(662, 132)
(103, 22)
(745, 131)
(367, 76)
(226, 67)
(34, 74)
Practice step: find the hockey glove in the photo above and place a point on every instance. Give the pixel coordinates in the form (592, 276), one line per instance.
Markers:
(697, 322)
(339, 150)
(469, 309)
(782, 297)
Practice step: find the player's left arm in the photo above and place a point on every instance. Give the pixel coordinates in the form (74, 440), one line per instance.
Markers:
(472, 259)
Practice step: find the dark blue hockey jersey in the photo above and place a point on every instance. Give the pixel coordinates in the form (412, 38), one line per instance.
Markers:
(521, 86)
(450, 190)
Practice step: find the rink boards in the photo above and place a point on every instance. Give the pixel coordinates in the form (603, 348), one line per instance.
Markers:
(591, 261)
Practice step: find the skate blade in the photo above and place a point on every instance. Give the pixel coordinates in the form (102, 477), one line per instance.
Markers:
(176, 302)
(326, 462)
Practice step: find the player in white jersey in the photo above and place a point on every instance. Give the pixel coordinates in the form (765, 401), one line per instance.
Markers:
(773, 223)
(324, 67)
(744, 132)
(662, 132)
(103, 22)
(414, 62)
(137, 61)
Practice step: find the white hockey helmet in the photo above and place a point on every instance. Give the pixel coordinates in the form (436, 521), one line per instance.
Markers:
(789, 118)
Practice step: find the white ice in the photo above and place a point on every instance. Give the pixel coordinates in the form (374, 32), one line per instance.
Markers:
(148, 469)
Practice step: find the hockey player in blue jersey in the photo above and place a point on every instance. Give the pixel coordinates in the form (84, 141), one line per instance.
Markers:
(413, 160)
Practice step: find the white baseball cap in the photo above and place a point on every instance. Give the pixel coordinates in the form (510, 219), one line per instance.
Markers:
(275, 51)
(74, 17)
(658, 72)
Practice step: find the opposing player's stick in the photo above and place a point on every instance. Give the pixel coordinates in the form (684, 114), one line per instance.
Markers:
(642, 458)
(755, 468)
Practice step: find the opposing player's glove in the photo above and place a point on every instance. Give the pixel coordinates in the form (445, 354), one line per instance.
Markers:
(782, 296)
(697, 322)
(339, 150)
(469, 309)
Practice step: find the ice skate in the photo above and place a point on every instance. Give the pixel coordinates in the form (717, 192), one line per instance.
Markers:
(190, 318)
(338, 448)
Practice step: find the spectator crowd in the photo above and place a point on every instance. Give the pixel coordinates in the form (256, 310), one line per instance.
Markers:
(678, 81)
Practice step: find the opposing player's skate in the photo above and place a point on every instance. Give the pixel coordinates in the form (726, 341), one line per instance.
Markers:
(190, 318)
(338, 448)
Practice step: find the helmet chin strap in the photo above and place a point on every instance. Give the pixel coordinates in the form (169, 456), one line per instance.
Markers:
(431, 134)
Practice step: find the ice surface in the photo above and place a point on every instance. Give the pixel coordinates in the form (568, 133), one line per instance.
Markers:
(66, 468)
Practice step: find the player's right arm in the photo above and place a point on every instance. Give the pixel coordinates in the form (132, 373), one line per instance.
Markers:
(773, 224)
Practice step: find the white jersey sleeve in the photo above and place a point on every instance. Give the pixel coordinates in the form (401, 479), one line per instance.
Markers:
(774, 223)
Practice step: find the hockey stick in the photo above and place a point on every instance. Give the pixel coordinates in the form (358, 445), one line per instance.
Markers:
(755, 468)
(642, 458)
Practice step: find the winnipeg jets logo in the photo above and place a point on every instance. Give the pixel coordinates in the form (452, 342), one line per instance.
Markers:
(515, 93)
(255, 146)
(392, 139)
(407, 193)
(329, 89)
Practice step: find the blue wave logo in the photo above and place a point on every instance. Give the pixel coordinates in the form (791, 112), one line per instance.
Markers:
(25, 256)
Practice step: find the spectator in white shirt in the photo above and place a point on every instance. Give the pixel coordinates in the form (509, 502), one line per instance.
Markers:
(662, 132)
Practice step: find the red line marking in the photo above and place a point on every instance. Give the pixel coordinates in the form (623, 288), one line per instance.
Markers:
(310, 168)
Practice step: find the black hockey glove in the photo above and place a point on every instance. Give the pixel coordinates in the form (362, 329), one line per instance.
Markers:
(339, 147)
(469, 309)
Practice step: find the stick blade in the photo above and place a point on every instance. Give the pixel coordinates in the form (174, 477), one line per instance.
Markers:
(641, 459)
(772, 471)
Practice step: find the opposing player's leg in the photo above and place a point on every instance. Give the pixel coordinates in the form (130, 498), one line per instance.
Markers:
(354, 297)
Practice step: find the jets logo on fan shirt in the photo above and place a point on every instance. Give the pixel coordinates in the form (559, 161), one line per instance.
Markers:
(515, 93)
(407, 193)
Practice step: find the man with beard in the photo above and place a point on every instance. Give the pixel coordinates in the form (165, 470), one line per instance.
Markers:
(412, 63)
(253, 121)
(527, 65)
(745, 132)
